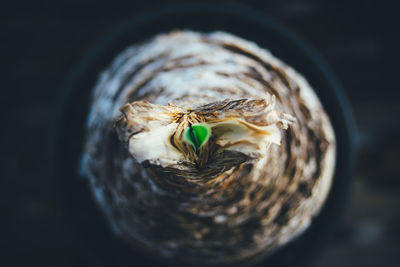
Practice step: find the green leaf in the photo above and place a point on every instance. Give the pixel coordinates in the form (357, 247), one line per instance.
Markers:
(197, 135)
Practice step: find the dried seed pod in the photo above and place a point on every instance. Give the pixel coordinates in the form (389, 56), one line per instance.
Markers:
(207, 150)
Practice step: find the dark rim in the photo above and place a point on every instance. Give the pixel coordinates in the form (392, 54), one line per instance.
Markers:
(73, 194)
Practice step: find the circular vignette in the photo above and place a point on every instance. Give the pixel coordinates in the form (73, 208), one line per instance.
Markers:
(66, 136)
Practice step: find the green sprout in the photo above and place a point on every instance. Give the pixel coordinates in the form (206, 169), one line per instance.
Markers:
(197, 135)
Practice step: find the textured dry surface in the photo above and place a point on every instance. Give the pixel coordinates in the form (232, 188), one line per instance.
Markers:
(228, 203)
(359, 47)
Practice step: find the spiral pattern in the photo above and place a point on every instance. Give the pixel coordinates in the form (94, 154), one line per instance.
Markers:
(229, 203)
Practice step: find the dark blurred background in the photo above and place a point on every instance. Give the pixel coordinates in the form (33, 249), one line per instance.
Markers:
(41, 41)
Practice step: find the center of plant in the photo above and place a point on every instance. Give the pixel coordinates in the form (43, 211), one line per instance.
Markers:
(197, 135)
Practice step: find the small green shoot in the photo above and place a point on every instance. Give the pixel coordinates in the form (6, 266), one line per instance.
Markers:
(197, 135)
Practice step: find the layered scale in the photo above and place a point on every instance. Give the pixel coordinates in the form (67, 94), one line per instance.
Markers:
(256, 182)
